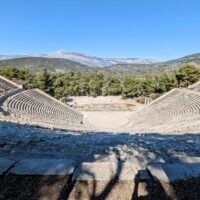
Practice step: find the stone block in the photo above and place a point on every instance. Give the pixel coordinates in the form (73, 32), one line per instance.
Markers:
(167, 172)
(93, 171)
(44, 167)
(125, 171)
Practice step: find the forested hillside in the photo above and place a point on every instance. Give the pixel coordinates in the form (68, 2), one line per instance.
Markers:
(96, 84)
(52, 64)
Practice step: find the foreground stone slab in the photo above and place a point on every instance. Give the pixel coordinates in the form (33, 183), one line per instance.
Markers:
(167, 172)
(103, 180)
(140, 162)
(125, 171)
(174, 172)
(93, 171)
(44, 167)
(5, 164)
(157, 172)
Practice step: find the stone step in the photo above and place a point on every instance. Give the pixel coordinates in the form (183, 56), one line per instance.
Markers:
(186, 159)
(105, 171)
(5, 164)
(125, 171)
(174, 172)
(44, 167)
(104, 180)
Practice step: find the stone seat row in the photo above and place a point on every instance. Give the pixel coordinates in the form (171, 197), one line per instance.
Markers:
(88, 171)
(4, 95)
(22, 102)
(4, 87)
(6, 84)
(34, 107)
(179, 105)
(195, 87)
(51, 175)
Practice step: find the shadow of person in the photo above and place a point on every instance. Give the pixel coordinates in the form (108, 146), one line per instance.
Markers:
(147, 188)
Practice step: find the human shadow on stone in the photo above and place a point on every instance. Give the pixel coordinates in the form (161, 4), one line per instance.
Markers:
(148, 189)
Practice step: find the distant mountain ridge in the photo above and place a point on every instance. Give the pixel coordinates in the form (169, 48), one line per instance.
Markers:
(91, 61)
(51, 62)
(156, 67)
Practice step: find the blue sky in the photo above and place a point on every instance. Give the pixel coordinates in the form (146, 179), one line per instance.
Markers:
(159, 29)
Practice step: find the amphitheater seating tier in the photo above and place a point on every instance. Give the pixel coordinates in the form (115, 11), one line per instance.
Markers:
(176, 110)
(195, 87)
(6, 85)
(35, 107)
(7, 89)
(176, 107)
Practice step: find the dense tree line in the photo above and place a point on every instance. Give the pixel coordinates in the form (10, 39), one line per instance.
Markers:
(96, 84)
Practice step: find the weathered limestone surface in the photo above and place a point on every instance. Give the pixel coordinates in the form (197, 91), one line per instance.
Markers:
(103, 180)
(173, 172)
(125, 171)
(93, 171)
(105, 171)
(166, 172)
(44, 167)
